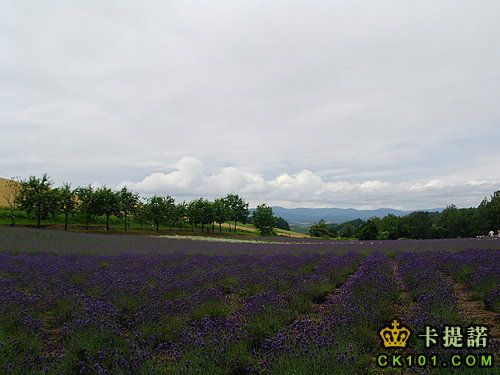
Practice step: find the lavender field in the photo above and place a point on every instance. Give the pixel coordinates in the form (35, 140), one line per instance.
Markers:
(73, 303)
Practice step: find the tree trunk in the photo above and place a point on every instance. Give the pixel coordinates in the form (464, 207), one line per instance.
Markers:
(12, 217)
(220, 227)
(65, 221)
(213, 226)
(38, 214)
(235, 225)
(107, 221)
(202, 226)
(192, 227)
(157, 226)
(125, 221)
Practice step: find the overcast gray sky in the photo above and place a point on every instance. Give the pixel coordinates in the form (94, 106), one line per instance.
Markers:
(298, 103)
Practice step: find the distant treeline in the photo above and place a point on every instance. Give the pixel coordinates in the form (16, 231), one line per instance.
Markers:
(452, 222)
(38, 198)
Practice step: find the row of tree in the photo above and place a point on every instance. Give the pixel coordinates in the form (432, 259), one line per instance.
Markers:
(38, 197)
(452, 222)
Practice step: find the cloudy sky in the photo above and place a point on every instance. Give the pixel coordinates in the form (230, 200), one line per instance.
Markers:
(298, 103)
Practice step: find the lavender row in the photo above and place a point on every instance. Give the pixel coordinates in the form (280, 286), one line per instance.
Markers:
(479, 271)
(432, 300)
(344, 339)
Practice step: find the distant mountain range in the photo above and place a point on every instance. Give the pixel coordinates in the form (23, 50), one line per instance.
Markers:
(336, 215)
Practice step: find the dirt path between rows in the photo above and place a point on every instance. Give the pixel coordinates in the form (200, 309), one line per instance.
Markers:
(53, 343)
(403, 307)
(318, 311)
(401, 312)
(475, 311)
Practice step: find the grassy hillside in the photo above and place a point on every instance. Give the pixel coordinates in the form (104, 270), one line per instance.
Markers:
(281, 232)
(4, 192)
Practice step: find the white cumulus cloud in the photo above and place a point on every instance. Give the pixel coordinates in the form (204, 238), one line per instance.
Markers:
(189, 179)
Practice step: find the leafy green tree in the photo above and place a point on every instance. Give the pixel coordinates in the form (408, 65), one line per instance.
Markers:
(388, 226)
(193, 214)
(238, 209)
(107, 203)
(347, 231)
(403, 228)
(368, 231)
(87, 203)
(127, 203)
(141, 213)
(36, 197)
(170, 213)
(480, 220)
(420, 224)
(221, 212)
(456, 222)
(157, 207)
(200, 211)
(66, 201)
(333, 232)
(282, 223)
(493, 211)
(180, 214)
(321, 230)
(264, 220)
(207, 214)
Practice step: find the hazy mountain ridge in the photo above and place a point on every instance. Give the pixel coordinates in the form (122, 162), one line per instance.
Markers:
(336, 215)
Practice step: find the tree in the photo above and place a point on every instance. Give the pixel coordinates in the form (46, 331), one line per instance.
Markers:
(169, 213)
(36, 197)
(87, 203)
(347, 231)
(66, 202)
(368, 231)
(221, 212)
(420, 224)
(11, 196)
(200, 211)
(264, 220)
(456, 222)
(494, 211)
(157, 206)
(282, 223)
(238, 209)
(388, 225)
(321, 230)
(106, 203)
(207, 213)
(180, 213)
(127, 203)
(480, 220)
(141, 213)
(192, 213)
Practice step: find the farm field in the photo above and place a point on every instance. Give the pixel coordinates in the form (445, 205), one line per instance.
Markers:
(75, 303)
